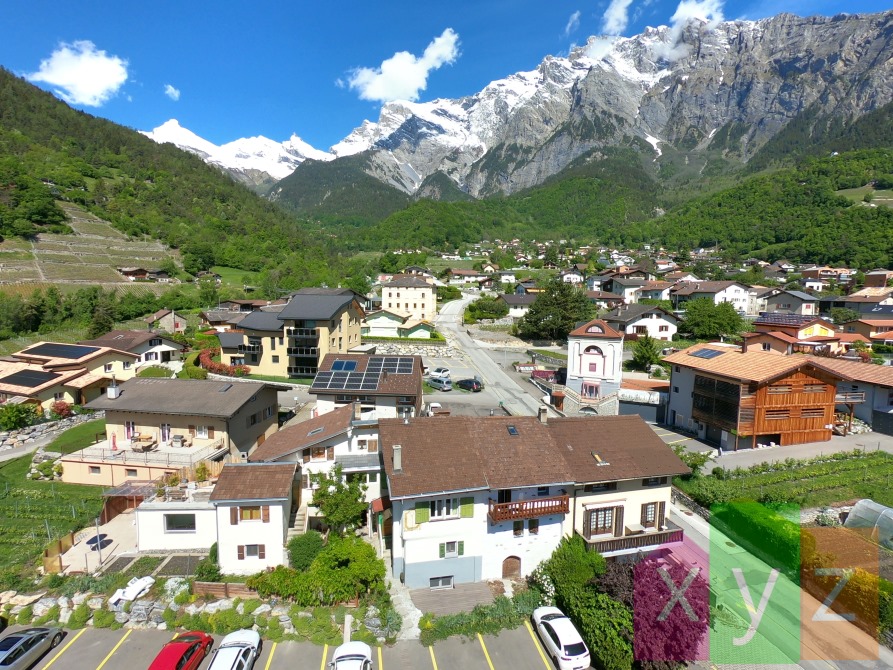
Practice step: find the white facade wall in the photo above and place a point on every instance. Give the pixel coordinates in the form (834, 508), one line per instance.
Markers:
(386, 407)
(152, 532)
(653, 323)
(736, 294)
(255, 532)
(682, 386)
(420, 302)
(383, 326)
(604, 369)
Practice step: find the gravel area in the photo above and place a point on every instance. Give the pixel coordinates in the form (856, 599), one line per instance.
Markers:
(179, 565)
(119, 564)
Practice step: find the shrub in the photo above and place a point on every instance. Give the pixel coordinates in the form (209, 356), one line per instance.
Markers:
(13, 417)
(79, 617)
(25, 615)
(60, 410)
(572, 565)
(202, 472)
(51, 615)
(47, 469)
(206, 356)
(103, 618)
(302, 549)
(719, 472)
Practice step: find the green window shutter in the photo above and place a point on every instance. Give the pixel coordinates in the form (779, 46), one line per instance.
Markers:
(461, 547)
(442, 549)
(422, 512)
(466, 508)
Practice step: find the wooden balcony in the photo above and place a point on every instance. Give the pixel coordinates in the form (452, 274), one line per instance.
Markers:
(528, 509)
(849, 397)
(633, 540)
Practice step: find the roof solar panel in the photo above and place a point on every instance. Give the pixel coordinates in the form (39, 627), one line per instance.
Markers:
(344, 365)
(29, 378)
(57, 350)
(706, 353)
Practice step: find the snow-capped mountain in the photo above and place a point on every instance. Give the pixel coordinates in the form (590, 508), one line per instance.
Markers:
(256, 161)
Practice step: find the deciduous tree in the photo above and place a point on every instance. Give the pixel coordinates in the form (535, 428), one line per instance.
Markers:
(555, 312)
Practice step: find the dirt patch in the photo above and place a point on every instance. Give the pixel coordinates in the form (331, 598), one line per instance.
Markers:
(119, 564)
(497, 588)
(179, 566)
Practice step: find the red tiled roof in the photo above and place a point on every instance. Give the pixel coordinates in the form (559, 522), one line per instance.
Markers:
(301, 435)
(597, 328)
(254, 481)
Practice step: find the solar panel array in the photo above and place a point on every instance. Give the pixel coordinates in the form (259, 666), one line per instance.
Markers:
(29, 378)
(706, 353)
(343, 377)
(56, 350)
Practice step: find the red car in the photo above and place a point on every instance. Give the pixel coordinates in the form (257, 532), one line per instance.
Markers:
(184, 652)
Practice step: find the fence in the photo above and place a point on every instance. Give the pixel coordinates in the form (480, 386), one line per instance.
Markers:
(52, 555)
(677, 496)
(222, 590)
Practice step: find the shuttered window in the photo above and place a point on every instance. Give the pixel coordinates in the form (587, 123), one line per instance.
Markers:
(234, 516)
(466, 508)
(240, 550)
(422, 512)
(265, 513)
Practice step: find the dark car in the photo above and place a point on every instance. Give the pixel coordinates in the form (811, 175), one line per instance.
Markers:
(470, 385)
(23, 648)
(184, 652)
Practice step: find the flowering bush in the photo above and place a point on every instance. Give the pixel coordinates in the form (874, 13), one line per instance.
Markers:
(205, 358)
(61, 410)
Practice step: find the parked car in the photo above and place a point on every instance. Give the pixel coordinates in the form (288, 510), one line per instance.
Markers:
(440, 383)
(24, 648)
(184, 652)
(561, 639)
(237, 651)
(470, 385)
(425, 371)
(352, 656)
(441, 372)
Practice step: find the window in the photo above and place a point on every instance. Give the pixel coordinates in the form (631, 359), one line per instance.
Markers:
(179, 523)
(58, 396)
(451, 549)
(663, 329)
(127, 365)
(155, 342)
(95, 470)
(654, 481)
(268, 412)
(518, 528)
(443, 508)
(675, 389)
(251, 513)
(776, 414)
(781, 388)
(766, 346)
(597, 488)
(373, 477)
(107, 367)
(318, 453)
(813, 388)
(251, 551)
(649, 514)
(812, 412)
(441, 582)
(542, 491)
(675, 368)
(641, 330)
(273, 345)
(130, 472)
(533, 526)
(601, 521)
(275, 359)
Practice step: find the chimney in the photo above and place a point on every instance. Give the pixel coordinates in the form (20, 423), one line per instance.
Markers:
(398, 458)
(357, 411)
(543, 414)
(114, 390)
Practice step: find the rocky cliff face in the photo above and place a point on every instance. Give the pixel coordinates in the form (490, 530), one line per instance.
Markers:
(727, 88)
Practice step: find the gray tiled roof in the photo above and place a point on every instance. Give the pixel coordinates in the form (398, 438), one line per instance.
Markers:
(191, 397)
(315, 307)
(260, 320)
(359, 461)
(230, 340)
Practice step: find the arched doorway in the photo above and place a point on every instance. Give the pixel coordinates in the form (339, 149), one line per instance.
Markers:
(511, 568)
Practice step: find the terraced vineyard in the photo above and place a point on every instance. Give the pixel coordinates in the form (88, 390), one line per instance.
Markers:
(90, 256)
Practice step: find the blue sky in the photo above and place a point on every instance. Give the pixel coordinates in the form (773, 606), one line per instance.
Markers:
(229, 69)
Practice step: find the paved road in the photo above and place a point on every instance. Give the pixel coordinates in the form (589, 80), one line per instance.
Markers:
(103, 649)
(500, 384)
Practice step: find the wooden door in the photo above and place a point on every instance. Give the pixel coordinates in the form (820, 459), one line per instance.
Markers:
(511, 568)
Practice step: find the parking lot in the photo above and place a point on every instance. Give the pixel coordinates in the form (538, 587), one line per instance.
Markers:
(103, 649)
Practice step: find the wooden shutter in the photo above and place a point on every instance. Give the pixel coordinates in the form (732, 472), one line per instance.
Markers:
(192, 430)
(210, 432)
(265, 513)
(234, 516)
(618, 521)
(422, 512)
(305, 457)
(466, 507)
(241, 552)
(305, 481)
(330, 453)
(372, 445)
(442, 549)
(659, 518)
(461, 547)
(587, 524)
(644, 519)
(261, 551)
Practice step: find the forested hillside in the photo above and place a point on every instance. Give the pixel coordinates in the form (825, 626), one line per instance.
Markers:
(49, 150)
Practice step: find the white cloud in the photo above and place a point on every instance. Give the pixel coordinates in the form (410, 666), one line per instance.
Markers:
(403, 76)
(83, 74)
(573, 23)
(616, 17)
(599, 47)
(709, 11)
(171, 92)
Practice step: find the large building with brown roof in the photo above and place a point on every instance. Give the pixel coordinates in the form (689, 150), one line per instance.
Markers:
(476, 498)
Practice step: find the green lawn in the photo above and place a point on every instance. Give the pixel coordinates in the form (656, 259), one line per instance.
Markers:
(878, 197)
(552, 354)
(75, 439)
(235, 276)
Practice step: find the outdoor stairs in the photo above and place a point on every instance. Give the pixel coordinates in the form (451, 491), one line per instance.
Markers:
(296, 523)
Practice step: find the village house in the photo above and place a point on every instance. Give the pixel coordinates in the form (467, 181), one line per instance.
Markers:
(47, 372)
(627, 288)
(863, 301)
(166, 320)
(604, 299)
(793, 302)
(518, 304)
(654, 290)
(741, 399)
(150, 348)
(879, 278)
(878, 331)
(828, 274)
(864, 391)
(157, 426)
(718, 292)
(497, 502)
(221, 320)
(571, 276)
(412, 296)
(461, 277)
(393, 324)
(134, 273)
(384, 386)
(594, 370)
(292, 341)
(638, 320)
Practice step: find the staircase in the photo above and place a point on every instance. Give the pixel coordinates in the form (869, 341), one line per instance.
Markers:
(296, 523)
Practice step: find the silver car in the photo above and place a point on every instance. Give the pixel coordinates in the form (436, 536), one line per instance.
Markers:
(24, 648)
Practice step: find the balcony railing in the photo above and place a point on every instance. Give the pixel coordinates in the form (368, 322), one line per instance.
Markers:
(302, 370)
(849, 396)
(303, 351)
(311, 333)
(165, 456)
(249, 348)
(633, 540)
(528, 509)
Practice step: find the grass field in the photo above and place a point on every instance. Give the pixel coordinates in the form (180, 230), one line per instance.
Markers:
(858, 194)
(235, 277)
(75, 439)
(32, 513)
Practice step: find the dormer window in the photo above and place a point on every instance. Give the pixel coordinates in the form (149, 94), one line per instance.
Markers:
(595, 329)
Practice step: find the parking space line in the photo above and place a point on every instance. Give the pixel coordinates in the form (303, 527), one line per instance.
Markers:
(380, 664)
(115, 648)
(63, 649)
(486, 653)
(536, 643)
(433, 660)
(270, 659)
(325, 654)
(684, 439)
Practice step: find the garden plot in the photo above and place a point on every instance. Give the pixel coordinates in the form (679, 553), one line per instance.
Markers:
(74, 271)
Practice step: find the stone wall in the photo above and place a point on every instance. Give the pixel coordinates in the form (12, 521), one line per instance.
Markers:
(13, 439)
(410, 348)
